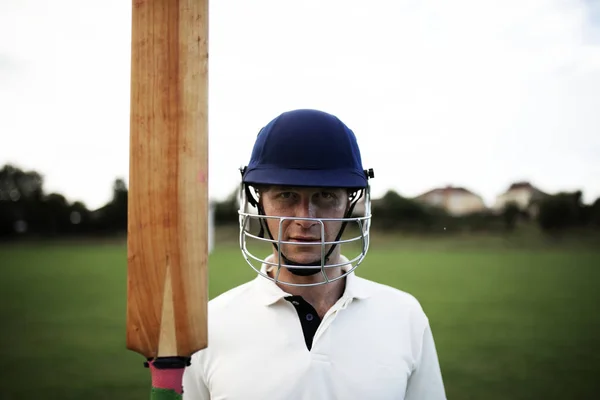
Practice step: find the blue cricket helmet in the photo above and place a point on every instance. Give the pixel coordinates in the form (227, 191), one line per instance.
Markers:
(306, 148)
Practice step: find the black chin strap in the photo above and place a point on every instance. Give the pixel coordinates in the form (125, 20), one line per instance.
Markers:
(302, 271)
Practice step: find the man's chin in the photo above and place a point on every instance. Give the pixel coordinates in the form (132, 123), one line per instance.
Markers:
(305, 271)
(303, 259)
(307, 264)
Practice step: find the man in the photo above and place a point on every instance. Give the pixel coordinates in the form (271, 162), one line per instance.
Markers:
(307, 327)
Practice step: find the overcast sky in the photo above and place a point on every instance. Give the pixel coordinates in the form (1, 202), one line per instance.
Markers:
(475, 93)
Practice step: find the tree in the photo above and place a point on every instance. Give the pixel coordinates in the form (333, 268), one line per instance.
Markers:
(226, 211)
(56, 214)
(510, 215)
(393, 211)
(21, 195)
(119, 205)
(112, 217)
(594, 214)
(80, 218)
(560, 212)
(16, 184)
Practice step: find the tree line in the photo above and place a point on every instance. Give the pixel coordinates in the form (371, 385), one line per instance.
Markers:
(27, 211)
(558, 213)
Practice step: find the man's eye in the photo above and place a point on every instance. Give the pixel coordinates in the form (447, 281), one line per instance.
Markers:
(285, 195)
(327, 195)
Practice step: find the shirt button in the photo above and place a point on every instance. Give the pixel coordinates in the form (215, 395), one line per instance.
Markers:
(309, 317)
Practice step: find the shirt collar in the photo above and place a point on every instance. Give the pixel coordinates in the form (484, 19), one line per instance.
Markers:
(269, 292)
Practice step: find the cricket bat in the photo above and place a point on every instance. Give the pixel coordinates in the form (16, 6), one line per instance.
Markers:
(167, 238)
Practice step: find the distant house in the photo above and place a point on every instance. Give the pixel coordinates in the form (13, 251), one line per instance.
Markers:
(523, 194)
(455, 201)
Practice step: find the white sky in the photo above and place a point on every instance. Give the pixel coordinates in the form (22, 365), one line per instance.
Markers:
(476, 93)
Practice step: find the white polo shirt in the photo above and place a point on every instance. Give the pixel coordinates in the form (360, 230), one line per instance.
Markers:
(375, 343)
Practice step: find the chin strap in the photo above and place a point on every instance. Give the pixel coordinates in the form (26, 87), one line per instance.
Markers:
(354, 197)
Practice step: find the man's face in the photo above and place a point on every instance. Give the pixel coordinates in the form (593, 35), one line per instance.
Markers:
(283, 201)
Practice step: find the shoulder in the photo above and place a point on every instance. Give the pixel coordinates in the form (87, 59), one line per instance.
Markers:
(235, 304)
(228, 309)
(383, 292)
(406, 323)
(231, 297)
(392, 301)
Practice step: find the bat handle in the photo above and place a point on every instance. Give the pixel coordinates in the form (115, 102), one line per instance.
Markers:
(178, 362)
(167, 374)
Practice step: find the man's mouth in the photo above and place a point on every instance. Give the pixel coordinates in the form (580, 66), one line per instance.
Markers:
(304, 239)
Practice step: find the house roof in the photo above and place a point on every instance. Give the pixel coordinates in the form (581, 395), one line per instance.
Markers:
(446, 190)
(525, 185)
(521, 185)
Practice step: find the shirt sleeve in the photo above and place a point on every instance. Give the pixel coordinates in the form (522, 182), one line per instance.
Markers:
(425, 383)
(194, 384)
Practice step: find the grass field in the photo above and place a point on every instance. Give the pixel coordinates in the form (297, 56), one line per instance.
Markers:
(511, 321)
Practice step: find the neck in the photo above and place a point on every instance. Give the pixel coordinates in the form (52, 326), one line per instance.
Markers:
(322, 296)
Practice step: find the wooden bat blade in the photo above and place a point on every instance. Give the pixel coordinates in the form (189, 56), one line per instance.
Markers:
(167, 277)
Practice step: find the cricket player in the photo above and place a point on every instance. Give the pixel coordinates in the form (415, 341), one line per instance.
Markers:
(307, 327)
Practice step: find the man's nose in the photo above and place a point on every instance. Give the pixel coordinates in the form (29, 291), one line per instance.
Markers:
(306, 209)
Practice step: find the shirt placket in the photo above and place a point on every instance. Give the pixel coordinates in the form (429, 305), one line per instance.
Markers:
(330, 316)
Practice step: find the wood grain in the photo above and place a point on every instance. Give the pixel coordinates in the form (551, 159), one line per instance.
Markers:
(167, 283)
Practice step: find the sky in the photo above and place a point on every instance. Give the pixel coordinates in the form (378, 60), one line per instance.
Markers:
(472, 93)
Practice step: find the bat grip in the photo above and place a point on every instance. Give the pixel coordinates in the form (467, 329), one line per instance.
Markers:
(167, 372)
(178, 362)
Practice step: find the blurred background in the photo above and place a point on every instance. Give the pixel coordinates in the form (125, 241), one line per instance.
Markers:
(480, 119)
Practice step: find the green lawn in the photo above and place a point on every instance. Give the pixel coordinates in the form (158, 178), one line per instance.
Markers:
(510, 322)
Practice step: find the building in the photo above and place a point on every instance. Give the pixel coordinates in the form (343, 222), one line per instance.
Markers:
(455, 201)
(523, 194)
